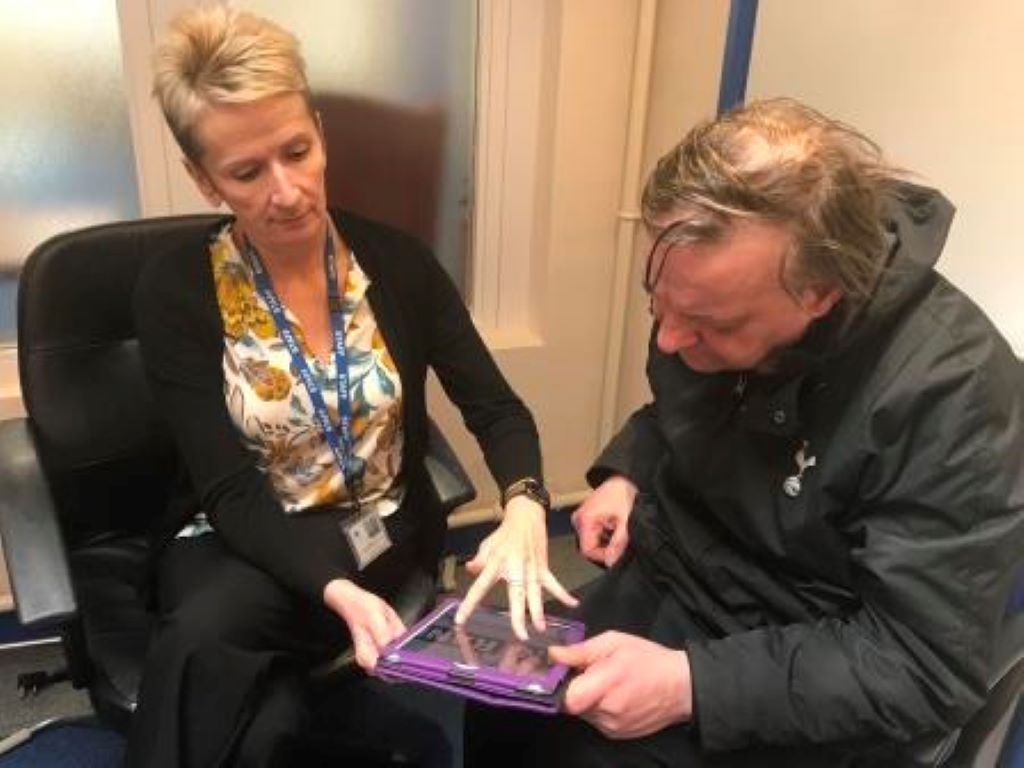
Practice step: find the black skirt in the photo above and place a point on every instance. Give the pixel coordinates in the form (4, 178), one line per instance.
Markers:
(226, 674)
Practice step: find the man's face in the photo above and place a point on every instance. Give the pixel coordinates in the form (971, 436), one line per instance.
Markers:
(722, 306)
(266, 160)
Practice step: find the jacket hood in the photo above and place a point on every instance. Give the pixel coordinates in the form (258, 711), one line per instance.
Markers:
(916, 220)
(920, 218)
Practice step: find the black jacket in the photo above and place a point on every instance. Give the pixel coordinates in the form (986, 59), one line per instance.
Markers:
(864, 607)
(424, 323)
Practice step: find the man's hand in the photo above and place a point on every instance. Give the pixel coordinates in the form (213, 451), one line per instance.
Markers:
(628, 686)
(518, 553)
(371, 621)
(601, 520)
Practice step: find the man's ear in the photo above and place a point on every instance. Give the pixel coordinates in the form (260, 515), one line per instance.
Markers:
(817, 299)
(203, 183)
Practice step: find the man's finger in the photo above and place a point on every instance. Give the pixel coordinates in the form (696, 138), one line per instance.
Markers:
(586, 653)
(616, 545)
(589, 537)
(586, 691)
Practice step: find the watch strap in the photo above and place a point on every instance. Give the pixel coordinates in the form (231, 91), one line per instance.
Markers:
(530, 487)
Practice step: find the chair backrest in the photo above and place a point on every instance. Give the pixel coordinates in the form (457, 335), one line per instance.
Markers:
(107, 459)
(396, 153)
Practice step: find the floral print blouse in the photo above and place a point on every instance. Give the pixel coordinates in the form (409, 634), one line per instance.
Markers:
(272, 409)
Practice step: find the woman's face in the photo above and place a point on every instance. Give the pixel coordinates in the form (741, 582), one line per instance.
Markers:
(266, 161)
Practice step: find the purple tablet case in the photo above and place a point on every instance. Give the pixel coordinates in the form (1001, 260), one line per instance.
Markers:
(483, 660)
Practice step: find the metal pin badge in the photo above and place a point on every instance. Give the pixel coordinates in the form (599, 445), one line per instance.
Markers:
(793, 484)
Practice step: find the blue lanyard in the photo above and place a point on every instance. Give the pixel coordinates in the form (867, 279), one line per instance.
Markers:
(341, 447)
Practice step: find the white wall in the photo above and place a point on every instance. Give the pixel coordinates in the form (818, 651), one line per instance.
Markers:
(937, 83)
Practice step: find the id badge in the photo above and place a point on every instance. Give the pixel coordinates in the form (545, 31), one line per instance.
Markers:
(367, 537)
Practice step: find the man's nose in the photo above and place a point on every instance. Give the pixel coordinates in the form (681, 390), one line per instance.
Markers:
(675, 334)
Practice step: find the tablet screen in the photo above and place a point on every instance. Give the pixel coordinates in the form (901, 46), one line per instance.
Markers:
(487, 640)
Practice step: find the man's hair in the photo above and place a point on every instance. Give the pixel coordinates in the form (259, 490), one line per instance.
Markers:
(217, 55)
(781, 161)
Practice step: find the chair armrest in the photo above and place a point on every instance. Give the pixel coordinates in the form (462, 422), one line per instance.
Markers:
(448, 479)
(33, 546)
(415, 597)
(984, 734)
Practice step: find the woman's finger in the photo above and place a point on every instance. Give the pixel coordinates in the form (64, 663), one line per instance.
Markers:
(517, 600)
(396, 626)
(535, 597)
(555, 588)
(482, 556)
(366, 651)
(477, 590)
(379, 627)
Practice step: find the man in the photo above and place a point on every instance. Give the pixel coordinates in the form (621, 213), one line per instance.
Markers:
(811, 531)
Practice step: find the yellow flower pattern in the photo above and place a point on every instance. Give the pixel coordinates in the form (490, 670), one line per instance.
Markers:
(272, 409)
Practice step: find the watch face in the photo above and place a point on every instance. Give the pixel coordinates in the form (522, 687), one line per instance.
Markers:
(539, 493)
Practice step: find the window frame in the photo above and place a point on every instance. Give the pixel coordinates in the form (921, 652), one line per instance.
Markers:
(516, 47)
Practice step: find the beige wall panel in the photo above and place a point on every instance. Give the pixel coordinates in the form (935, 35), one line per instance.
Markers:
(585, 116)
(688, 51)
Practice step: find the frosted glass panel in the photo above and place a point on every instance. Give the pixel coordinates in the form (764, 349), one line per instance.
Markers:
(394, 81)
(65, 145)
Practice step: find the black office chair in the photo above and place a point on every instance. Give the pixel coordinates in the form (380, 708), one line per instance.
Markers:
(989, 738)
(83, 476)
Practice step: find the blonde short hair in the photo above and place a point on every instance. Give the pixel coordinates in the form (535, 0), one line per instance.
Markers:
(782, 161)
(217, 55)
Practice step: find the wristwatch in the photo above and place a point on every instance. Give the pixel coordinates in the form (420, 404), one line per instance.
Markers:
(531, 488)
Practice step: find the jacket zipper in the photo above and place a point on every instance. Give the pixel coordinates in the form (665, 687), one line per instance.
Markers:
(741, 387)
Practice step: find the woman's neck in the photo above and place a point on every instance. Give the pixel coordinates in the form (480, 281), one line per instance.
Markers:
(291, 262)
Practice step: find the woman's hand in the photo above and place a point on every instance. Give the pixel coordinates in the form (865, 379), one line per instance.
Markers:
(371, 621)
(518, 553)
(601, 521)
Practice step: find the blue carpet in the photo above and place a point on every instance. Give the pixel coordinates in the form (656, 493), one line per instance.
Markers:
(68, 746)
(12, 632)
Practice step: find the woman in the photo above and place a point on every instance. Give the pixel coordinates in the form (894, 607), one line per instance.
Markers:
(288, 348)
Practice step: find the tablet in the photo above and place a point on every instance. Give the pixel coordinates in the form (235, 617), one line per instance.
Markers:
(482, 659)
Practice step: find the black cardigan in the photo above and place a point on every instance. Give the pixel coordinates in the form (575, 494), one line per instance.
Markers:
(424, 323)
